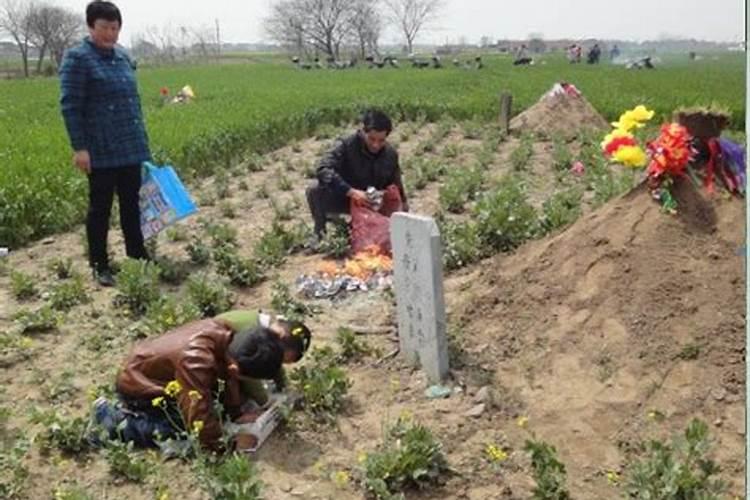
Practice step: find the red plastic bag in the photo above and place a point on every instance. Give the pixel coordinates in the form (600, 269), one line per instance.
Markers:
(371, 228)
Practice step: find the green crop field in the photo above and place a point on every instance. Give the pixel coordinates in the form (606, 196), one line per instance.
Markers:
(254, 107)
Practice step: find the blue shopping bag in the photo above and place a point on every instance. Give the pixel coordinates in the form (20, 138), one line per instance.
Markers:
(163, 199)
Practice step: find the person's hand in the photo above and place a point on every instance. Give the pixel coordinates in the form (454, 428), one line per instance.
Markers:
(359, 197)
(82, 161)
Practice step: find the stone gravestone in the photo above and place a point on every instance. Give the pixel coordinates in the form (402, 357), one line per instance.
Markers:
(418, 283)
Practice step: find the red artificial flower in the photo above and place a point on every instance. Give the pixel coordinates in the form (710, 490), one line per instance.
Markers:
(164, 91)
(617, 143)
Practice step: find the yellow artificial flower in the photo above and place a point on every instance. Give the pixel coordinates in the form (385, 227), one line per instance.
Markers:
(194, 395)
(495, 453)
(157, 401)
(631, 156)
(341, 478)
(615, 134)
(173, 388)
(522, 422)
(633, 118)
(197, 426)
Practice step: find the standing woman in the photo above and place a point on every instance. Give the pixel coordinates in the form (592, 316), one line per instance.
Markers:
(102, 112)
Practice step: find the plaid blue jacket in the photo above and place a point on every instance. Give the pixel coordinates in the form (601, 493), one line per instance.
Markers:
(101, 107)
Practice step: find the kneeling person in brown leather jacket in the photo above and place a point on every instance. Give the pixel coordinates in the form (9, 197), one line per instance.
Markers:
(175, 377)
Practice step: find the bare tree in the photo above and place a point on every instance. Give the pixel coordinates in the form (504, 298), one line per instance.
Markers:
(366, 25)
(16, 21)
(286, 25)
(411, 16)
(55, 29)
(203, 41)
(322, 25)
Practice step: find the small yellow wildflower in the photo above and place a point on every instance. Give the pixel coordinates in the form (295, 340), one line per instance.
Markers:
(297, 331)
(522, 422)
(613, 477)
(395, 383)
(197, 426)
(341, 478)
(164, 495)
(158, 401)
(361, 457)
(25, 343)
(173, 388)
(495, 453)
(406, 415)
(195, 395)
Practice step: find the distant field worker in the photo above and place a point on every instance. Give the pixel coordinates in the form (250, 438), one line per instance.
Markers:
(102, 113)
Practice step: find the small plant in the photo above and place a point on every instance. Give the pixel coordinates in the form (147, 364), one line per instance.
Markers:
(227, 209)
(22, 285)
(275, 244)
(451, 151)
(561, 209)
(472, 129)
(61, 268)
(233, 477)
(262, 192)
(222, 186)
(284, 184)
(209, 295)
(461, 186)
(13, 472)
(171, 271)
(207, 199)
(677, 470)
(283, 212)
(520, 156)
(41, 320)
(505, 219)
(284, 304)
(63, 296)
(74, 492)
(243, 186)
(409, 457)
(137, 285)
(169, 312)
(335, 242)
(350, 347)
(221, 234)
(177, 233)
(549, 472)
(240, 271)
(198, 251)
(323, 385)
(461, 244)
(124, 463)
(65, 434)
(255, 163)
(561, 157)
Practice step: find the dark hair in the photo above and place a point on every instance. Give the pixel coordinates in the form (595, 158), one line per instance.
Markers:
(298, 337)
(374, 119)
(259, 352)
(99, 9)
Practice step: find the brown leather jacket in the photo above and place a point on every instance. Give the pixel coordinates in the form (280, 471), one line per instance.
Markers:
(195, 355)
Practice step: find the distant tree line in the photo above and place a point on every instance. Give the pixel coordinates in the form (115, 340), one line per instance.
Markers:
(312, 27)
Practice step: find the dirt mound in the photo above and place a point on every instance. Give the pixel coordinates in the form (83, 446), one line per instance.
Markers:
(629, 313)
(560, 115)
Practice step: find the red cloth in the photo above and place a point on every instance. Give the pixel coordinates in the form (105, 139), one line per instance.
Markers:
(371, 228)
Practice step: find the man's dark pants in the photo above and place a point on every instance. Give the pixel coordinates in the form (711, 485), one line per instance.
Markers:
(323, 202)
(103, 182)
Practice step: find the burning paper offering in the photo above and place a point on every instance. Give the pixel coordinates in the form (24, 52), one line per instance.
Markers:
(366, 270)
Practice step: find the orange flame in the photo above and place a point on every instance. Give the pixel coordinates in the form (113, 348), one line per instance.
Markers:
(362, 265)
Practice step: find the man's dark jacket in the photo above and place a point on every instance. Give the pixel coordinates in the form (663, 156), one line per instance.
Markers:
(351, 165)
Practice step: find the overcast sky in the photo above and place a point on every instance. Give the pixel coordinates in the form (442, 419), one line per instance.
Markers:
(242, 20)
